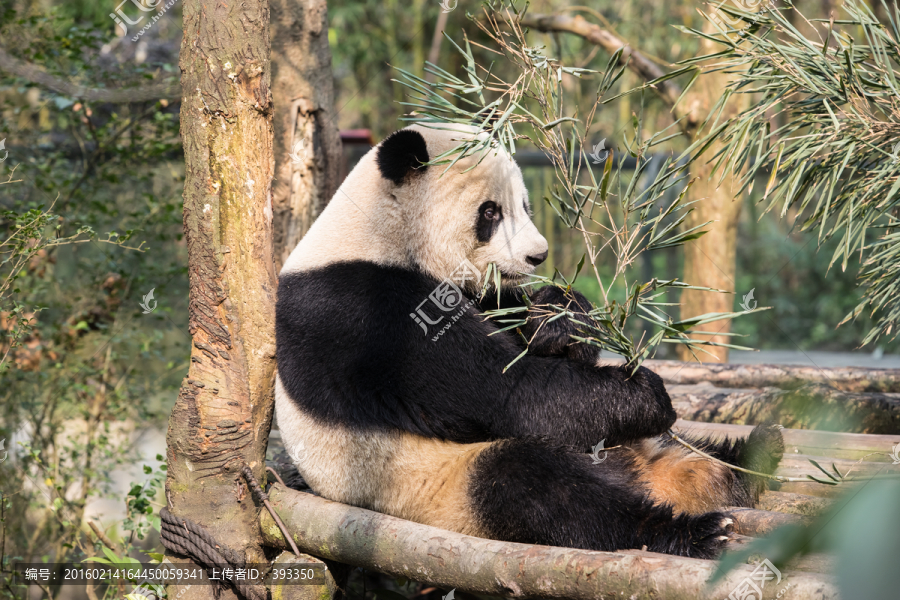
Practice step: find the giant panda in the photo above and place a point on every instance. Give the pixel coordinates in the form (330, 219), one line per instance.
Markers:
(391, 393)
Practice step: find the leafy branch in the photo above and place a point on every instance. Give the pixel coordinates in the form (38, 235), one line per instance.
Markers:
(618, 215)
(30, 233)
(835, 159)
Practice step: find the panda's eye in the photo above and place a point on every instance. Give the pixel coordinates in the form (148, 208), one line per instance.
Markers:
(489, 215)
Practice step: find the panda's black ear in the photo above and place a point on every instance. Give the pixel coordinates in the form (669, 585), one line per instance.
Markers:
(402, 153)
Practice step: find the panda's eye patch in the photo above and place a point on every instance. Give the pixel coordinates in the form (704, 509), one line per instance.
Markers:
(489, 215)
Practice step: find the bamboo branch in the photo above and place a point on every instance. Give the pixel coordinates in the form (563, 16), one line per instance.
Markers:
(35, 74)
(669, 91)
(451, 560)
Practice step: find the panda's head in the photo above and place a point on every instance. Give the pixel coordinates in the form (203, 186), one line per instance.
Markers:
(393, 209)
(474, 211)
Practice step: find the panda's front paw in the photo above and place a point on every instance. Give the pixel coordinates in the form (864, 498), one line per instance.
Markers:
(661, 414)
(548, 337)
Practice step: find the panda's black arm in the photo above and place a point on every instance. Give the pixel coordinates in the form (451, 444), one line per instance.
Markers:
(351, 353)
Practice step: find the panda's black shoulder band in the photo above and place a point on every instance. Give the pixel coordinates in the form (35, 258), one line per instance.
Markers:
(402, 153)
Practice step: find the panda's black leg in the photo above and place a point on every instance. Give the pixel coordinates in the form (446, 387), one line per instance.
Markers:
(531, 492)
(761, 451)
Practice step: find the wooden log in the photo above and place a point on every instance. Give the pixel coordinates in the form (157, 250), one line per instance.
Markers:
(794, 504)
(809, 563)
(848, 379)
(760, 523)
(448, 560)
(326, 588)
(853, 446)
(812, 406)
(799, 465)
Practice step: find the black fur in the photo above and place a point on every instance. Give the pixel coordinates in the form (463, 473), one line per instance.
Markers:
(401, 154)
(532, 492)
(350, 354)
(548, 337)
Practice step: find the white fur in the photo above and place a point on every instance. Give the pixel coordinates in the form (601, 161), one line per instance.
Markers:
(428, 221)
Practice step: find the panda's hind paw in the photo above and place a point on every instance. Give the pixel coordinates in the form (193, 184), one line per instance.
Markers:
(694, 536)
(708, 533)
(763, 449)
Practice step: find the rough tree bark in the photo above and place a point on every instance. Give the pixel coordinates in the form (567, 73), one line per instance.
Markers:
(307, 141)
(223, 412)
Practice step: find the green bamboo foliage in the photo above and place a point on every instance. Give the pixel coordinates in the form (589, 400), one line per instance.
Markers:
(835, 160)
(618, 213)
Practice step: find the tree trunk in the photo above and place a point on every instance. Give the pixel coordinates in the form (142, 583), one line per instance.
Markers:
(794, 504)
(222, 416)
(307, 141)
(709, 261)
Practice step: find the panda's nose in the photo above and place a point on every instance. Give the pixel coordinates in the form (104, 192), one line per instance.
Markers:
(537, 258)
